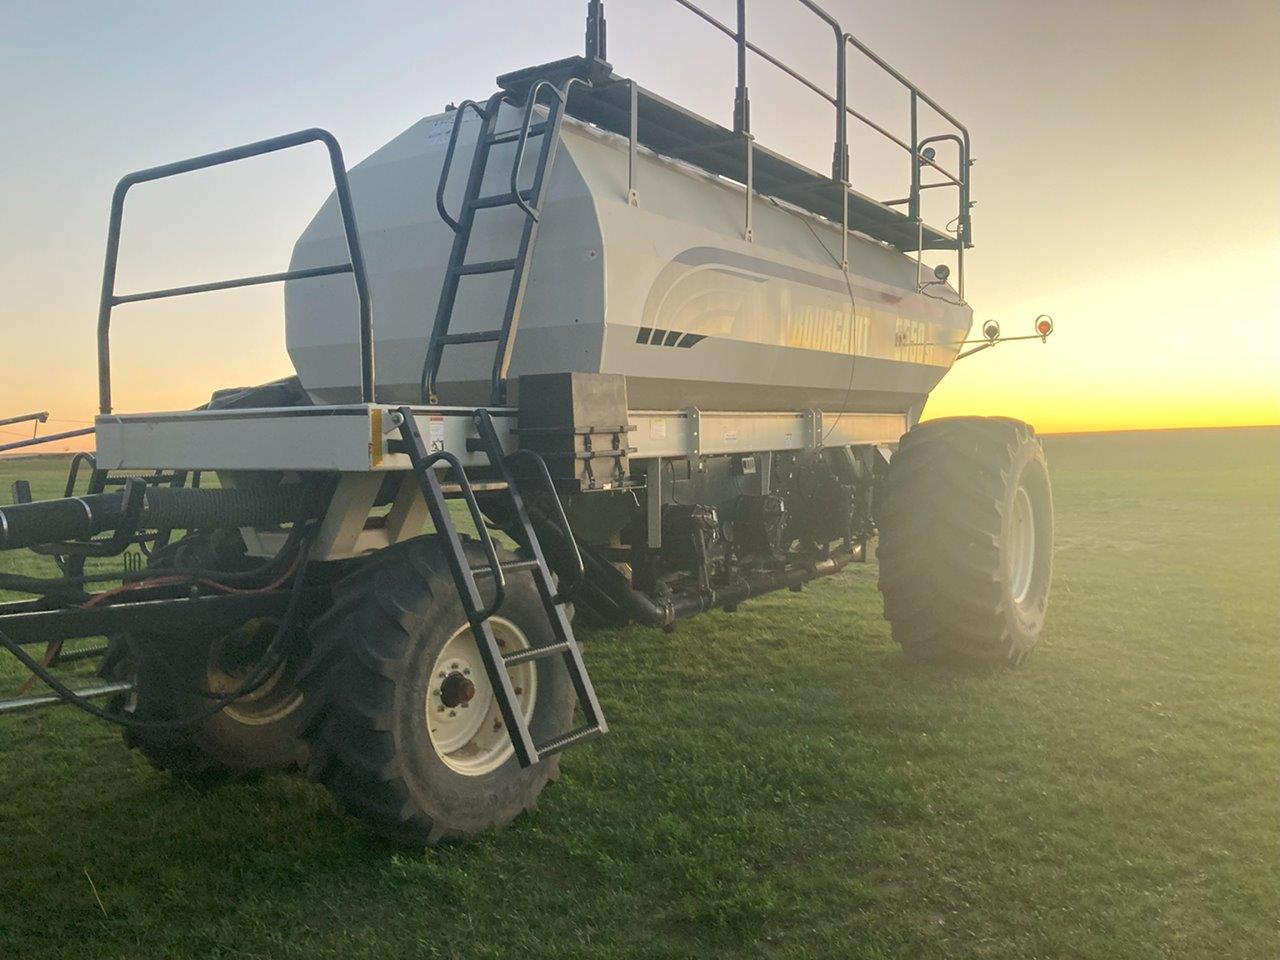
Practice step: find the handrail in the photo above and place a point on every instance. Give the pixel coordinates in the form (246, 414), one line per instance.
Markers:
(522, 143)
(355, 264)
(839, 100)
(477, 518)
(880, 62)
(443, 182)
(964, 234)
(578, 572)
(742, 111)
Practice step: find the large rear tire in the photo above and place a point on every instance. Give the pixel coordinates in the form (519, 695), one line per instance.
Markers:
(966, 540)
(388, 735)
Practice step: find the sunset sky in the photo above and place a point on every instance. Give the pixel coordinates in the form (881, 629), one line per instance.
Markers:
(1125, 178)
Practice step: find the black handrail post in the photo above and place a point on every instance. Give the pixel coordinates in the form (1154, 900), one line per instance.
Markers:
(966, 166)
(964, 236)
(597, 31)
(107, 299)
(342, 187)
(914, 203)
(840, 162)
(742, 98)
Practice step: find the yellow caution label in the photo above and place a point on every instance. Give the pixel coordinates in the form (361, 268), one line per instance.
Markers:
(375, 438)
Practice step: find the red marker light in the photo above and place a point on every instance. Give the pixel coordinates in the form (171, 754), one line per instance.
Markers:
(1044, 327)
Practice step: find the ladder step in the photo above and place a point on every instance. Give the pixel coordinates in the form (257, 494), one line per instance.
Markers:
(511, 136)
(536, 653)
(482, 486)
(487, 266)
(515, 566)
(567, 740)
(500, 200)
(479, 336)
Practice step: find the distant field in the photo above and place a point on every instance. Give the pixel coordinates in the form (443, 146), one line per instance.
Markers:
(778, 782)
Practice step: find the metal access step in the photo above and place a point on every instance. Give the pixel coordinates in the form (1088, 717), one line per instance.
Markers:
(554, 596)
(671, 130)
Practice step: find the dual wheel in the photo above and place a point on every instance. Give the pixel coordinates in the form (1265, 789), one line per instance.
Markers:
(384, 700)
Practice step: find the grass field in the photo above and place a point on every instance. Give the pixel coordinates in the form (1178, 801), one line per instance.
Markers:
(778, 782)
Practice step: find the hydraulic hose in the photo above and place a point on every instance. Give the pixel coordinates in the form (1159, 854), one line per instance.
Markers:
(262, 670)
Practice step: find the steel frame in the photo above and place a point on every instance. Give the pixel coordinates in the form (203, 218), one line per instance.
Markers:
(359, 439)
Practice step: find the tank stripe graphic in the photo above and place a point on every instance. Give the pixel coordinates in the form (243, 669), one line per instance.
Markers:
(668, 338)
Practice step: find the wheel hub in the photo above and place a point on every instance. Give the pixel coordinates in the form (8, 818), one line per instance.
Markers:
(456, 690)
(462, 713)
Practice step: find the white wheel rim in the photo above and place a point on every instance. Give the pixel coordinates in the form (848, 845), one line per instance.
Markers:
(270, 701)
(470, 737)
(1022, 545)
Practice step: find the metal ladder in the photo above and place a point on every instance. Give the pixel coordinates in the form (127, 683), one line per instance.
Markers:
(529, 201)
(465, 577)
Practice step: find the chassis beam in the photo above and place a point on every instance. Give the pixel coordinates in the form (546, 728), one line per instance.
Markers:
(24, 622)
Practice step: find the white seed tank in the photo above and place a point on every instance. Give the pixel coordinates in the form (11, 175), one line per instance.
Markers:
(667, 292)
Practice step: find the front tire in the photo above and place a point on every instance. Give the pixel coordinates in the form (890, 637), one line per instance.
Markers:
(392, 737)
(966, 540)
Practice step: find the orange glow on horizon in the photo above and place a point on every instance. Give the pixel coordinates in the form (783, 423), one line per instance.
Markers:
(1145, 348)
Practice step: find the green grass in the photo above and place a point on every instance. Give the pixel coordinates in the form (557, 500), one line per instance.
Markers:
(778, 782)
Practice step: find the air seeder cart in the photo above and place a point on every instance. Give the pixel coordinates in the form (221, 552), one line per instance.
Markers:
(674, 368)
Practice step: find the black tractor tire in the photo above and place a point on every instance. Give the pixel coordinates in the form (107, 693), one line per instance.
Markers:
(174, 677)
(373, 684)
(965, 519)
